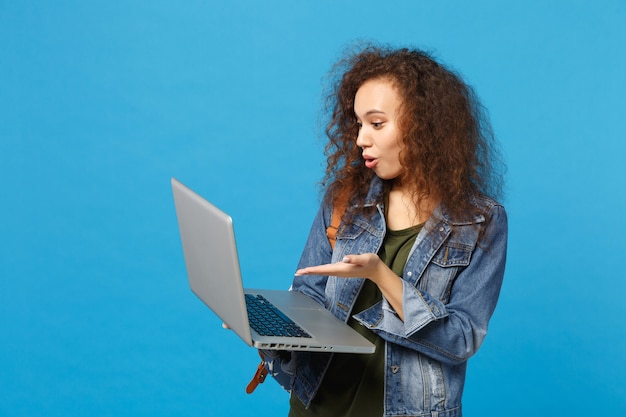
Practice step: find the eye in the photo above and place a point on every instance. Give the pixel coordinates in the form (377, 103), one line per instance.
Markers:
(358, 124)
(377, 125)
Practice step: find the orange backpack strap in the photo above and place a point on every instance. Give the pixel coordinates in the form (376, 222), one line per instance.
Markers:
(339, 209)
(259, 376)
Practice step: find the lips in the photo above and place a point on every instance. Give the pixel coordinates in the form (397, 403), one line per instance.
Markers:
(370, 162)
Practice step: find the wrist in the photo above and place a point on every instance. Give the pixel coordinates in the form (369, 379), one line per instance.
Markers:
(381, 273)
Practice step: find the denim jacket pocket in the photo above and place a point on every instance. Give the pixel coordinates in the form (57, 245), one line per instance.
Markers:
(447, 263)
(357, 238)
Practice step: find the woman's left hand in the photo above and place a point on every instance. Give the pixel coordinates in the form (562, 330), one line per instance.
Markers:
(367, 265)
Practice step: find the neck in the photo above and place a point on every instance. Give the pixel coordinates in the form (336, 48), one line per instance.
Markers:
(406, 209)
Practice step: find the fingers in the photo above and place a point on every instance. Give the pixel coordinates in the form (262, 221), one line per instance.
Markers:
(362, 260)
(318, 270)
(350, 267)
(328, 269)
(365, 265)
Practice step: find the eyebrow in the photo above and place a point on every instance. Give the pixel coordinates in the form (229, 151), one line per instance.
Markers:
(373, 111)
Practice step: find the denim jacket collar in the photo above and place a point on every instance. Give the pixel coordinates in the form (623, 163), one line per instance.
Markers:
(441, 213)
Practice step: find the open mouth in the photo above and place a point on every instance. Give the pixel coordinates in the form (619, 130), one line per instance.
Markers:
(370, 162)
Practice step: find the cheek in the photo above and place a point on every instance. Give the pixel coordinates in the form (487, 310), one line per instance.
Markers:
(398, 162)
(397, 149)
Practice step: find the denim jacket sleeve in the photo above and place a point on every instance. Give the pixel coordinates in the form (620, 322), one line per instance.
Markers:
(451, 325)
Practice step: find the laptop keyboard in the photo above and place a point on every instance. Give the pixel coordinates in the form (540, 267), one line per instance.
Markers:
(267, 320)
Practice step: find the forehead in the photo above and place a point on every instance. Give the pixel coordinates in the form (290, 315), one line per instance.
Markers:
(377, 94)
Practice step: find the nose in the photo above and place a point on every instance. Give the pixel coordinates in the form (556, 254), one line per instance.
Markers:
(362, 138)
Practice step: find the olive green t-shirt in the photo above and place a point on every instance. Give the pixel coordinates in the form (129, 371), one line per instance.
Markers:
(354, 383)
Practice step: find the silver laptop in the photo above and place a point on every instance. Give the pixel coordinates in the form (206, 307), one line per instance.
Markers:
(210, 253)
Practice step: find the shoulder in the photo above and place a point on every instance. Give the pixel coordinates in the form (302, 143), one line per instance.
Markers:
(488, 207)
(485, 203)
(485, 212)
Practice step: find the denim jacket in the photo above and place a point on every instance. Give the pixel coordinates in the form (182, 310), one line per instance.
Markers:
(451, 283)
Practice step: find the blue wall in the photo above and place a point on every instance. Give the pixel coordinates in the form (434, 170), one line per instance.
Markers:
(102, 102)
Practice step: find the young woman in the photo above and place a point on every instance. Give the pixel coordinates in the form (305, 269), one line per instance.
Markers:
(419, 257)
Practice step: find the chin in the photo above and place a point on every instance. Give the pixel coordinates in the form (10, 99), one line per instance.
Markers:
(386, 176)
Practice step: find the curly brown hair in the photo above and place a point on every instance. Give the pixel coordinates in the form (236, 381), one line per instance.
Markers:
(449, 149)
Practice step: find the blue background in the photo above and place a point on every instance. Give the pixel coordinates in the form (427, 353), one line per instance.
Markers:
(102, 102)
